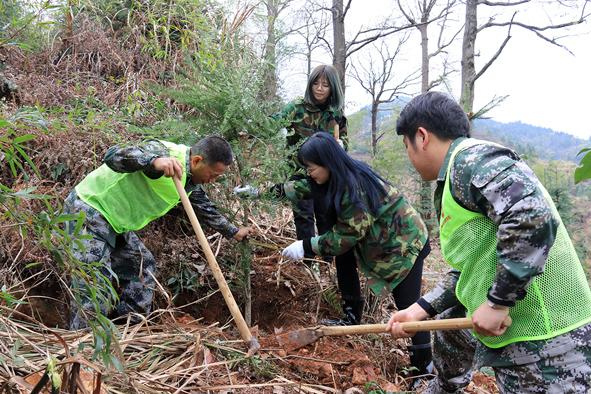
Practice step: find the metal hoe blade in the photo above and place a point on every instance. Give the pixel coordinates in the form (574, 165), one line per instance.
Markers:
(294, 340)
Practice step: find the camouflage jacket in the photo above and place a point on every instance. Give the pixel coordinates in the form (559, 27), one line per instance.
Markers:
(386, 245)
(140, 158)
(303, 120)
(494, 181)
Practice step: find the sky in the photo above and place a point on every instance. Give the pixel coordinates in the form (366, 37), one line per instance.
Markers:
(547, 86)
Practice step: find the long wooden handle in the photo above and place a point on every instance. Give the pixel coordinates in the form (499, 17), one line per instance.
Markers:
(336, 132)
(213, 264)
(413, 326)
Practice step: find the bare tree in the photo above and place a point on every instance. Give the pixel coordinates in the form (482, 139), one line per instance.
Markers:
(312, 32)
(343, 49)
(543, 31)
(378, 79)
(339, 54)
(273, 10)
(426, 13)
(421, 18)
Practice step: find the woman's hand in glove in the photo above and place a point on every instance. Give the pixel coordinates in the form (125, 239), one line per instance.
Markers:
(246, 191)
(295, 251)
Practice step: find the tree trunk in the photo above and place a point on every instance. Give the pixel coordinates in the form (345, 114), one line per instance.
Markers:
(424, 56)
(425, 204)
(374, 128)
(468, 66)
(269, 76)
(340, 48)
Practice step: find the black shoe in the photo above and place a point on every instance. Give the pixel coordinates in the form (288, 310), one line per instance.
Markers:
(423, 368)
(352, 310)
(348, 320)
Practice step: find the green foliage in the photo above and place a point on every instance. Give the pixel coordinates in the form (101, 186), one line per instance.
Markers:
(57, 233)
(14, 354)
(8, 299)
(584, 170)
(391, 160)
(563, 201)
(175, 130)
(224, 99)
(10, 10)
(52, 230)
(552, 176)
(261, 367)
(572, 202)
(373, 388)
(218, 89)
(165, 27)
(13, 141)
(184, 279)
(22, 23)
(358, 143)
(331, 297)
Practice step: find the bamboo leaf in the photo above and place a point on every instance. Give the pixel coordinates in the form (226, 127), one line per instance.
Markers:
(582, 173)
(584, 170)
(27, 159)
(23, 138)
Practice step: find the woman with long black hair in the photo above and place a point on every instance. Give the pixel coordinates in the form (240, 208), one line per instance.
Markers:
(374, 220)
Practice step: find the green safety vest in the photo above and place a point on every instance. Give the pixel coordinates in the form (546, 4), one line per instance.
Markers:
(557, 301)
(129, 201)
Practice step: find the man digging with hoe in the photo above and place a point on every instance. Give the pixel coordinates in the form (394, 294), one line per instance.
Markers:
(133, 188)
(510, 256)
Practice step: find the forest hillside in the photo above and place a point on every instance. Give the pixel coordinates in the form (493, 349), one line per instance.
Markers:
(77, 77)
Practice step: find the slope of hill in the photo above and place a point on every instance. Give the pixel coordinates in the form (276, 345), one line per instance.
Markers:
(545, 143)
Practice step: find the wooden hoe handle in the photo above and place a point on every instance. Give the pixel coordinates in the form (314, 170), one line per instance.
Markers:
(413, 326)
(336, 132)
(213, 264)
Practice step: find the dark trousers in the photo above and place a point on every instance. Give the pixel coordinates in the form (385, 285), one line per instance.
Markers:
(409, 291)
(305, 213)
(314, 211)
(405, 294)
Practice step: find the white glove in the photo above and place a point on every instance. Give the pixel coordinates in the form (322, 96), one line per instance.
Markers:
(340, 142)
(295, 251)
(246, 191)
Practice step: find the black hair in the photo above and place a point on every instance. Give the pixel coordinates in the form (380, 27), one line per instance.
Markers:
(436, 112)
(346, 173)
(213, 149)
(336, 99)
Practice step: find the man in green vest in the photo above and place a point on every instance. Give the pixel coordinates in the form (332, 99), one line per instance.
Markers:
(132, 188)
(510, 256)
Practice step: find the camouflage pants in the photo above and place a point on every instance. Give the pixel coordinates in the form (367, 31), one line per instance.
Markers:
(557, 365)
(121, 258)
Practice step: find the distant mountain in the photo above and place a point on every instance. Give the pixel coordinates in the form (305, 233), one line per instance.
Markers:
(544, 143)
